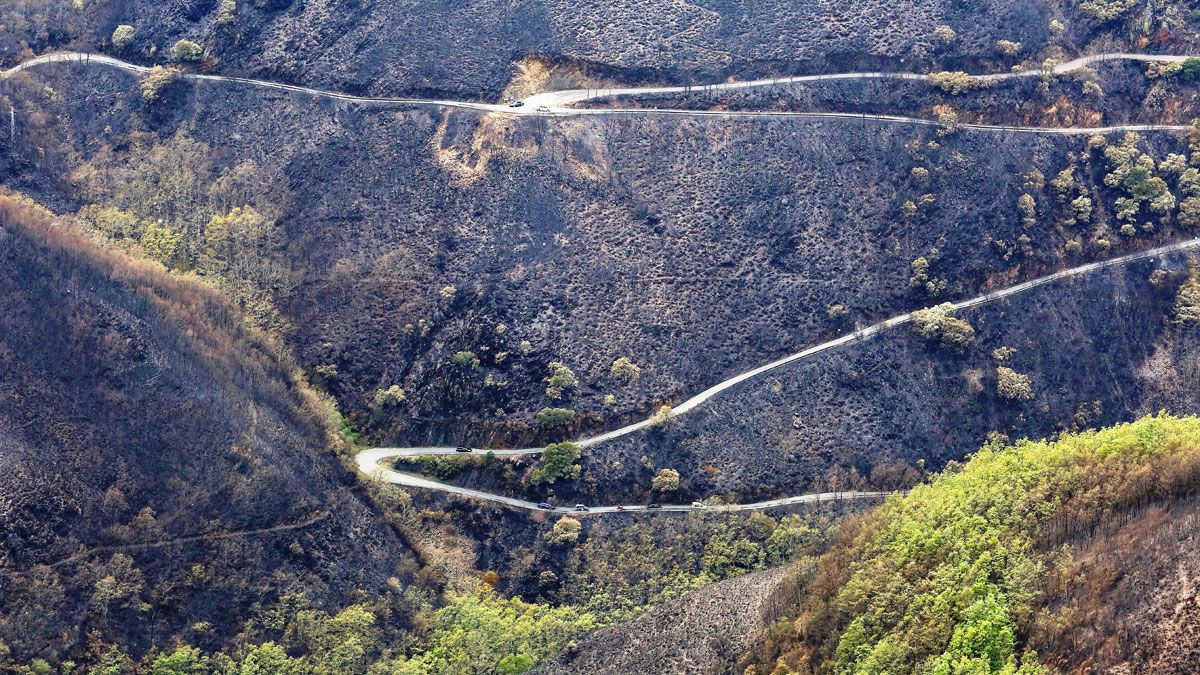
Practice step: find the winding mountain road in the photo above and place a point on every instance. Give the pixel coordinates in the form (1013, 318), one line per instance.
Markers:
(558, 103)
(369, 461)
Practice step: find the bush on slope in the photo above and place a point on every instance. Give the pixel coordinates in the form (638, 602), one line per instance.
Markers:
(949, 578)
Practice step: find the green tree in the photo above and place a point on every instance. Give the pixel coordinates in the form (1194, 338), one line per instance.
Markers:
(514, 664)
(267, 658)
(186, 50)
(667, 480)
(465, 360)
(485, 633)
(939, 323)
(390, 396)
(565, 531)
(1187, 301)
(184, 660)
(160, 243)
(955, 82)
(122, 36)
(626, 370)
(155, 82)
(551, 418)
(562, 380)
(558, 460)
(1012, 385)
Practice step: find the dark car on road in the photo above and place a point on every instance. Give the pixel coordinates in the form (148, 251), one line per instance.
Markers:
(654, 505)
(516, 104)
(462, 448)
(546, 505)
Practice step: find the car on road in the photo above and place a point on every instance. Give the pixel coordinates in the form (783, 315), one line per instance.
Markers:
(516, 104)
(546, 505)
(654, 505)
(699, 505)
(462, 448)
(581, 507)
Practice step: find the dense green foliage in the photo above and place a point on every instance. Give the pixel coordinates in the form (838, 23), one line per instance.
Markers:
(618, 574)
(549, 418)
(171, 201)
(558, 461)
(945, 579)
(485, 633)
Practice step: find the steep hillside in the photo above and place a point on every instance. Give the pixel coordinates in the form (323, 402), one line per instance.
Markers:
(453, 258)
(1069, 554)
(471, 49)
(483, 50)
(698, 633)
(160, 472)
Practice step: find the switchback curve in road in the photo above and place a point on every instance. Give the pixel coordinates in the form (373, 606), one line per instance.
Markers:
(557, 103)
(369, 461)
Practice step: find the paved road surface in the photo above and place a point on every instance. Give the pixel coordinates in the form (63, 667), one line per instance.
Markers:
(557, 103)
(369, 460)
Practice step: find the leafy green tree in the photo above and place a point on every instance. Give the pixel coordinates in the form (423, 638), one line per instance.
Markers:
(465, 360)
(557, 461)
(565, 531)
(267, 658)
(626, 370)
(1189, 213)
(113, 661)
(551, 418)
(160, 243)
(155, 82)
(186, 50)
(939, 323)
(184, 660)
(485, 633)
(390, 396)
(1012, 385)
(514, 664)
(561, 381)
(226, 12)
(1187, 301)
(122, 36)
(667, 480)
(955, 82)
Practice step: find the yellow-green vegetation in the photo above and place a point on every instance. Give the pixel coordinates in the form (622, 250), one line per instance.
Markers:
(465, 360)
(1187, 301)
(1107, 10)
(550, 418)
(1012, 385)
(939, 324)
(948, 578)
(565, 531)
(475, 633)
(186, 50)
(122, 36)
(955, 82)
(662, 417)
(486, 633)
(390, 396)
(562, 381)
(170, 201)
(558, 460)
(226, 12)
(624, 369)
(667, 480)
(155, 82)
(621, 573)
